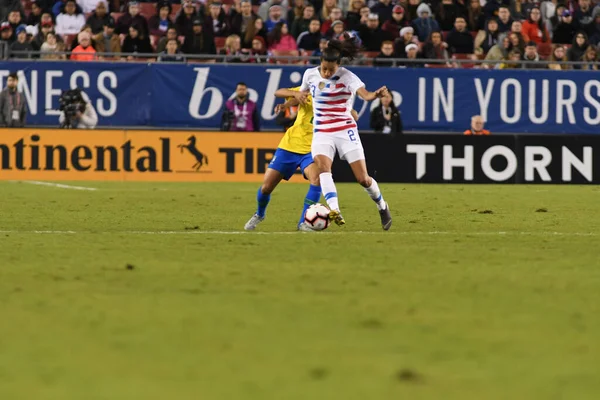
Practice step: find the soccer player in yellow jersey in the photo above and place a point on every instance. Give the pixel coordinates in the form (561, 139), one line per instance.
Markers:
(294, 151)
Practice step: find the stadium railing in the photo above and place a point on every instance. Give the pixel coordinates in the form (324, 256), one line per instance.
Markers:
(465, 62)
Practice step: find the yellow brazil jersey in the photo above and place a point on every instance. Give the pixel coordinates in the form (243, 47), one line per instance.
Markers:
(298, 138)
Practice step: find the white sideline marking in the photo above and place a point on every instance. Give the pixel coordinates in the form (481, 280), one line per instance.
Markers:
(58, 185)
(405, 233)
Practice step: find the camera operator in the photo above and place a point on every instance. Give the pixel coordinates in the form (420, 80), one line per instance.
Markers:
(76, 111)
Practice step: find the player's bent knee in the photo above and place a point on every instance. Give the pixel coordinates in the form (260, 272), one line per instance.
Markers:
(364, 180)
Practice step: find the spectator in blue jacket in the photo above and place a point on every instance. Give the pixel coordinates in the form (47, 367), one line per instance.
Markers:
(425, 24)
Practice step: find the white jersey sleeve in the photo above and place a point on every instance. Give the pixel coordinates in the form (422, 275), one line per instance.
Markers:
(354, 82)
(305, 80)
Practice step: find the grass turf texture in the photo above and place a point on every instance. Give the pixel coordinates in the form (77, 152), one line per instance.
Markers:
(464, 313)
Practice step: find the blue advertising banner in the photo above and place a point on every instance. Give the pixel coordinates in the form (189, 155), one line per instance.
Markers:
(193, 95)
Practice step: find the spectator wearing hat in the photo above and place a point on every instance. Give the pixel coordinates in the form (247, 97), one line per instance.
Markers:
(99, 18)
(334, 15)
(46, 17)
(386, 54)
(172, 53)
(372, 35)
(393, 25)
(384, 9)
(447, 12)
(45, 27)
(84, 50)
(75, 42)
(171, 34)
(132, 17)
(21, 44)
(477, 124)
(534, 28)
(199, 42)
(88, 6)
(564, 31)
(265, 8)
(242, 20)
(460, 40)
(337, 30)
(425, 24)
(412, 55)
(385, 118)
(13, 107)
(275, 17)
(406, 37)
(51, 47)
(185, 18)
(108, 41)
(70, 21)
(136, 42)
(6, 33)
(309, 40)
(302, 24)
(35, 15)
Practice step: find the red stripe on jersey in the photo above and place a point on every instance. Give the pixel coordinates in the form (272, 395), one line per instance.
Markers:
(340, 86)
(338, 129)
(333, 121)
(333, 102)
(326, 110)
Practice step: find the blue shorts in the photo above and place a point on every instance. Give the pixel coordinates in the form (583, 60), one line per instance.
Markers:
(286, 163)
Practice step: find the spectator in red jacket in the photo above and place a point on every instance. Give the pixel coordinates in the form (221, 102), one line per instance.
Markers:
(280, 39)
(84, 51)
(534, 28)
(396, 22)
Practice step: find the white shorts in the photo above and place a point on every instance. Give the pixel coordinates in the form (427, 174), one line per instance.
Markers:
(346, 143)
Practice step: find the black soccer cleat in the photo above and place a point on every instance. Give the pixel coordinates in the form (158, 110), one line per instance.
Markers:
(386, 217)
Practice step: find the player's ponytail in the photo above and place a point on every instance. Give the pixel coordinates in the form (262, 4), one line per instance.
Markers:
(347, 48)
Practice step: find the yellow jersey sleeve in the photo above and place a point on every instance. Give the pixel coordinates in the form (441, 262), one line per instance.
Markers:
(298, 137)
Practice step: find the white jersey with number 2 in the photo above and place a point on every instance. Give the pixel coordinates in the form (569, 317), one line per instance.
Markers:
(334, 128)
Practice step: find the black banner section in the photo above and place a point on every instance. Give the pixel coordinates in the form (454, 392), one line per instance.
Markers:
(549, 159)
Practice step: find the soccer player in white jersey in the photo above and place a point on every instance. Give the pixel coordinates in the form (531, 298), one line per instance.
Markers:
(333, 90)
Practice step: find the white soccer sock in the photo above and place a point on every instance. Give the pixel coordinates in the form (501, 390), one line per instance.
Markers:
(375, 194)
(329, 190)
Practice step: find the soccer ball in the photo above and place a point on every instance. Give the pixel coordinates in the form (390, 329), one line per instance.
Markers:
(317, 217)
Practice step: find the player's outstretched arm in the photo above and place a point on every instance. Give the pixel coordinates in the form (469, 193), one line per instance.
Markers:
(289, 103)
(283, 93)
(369, 96)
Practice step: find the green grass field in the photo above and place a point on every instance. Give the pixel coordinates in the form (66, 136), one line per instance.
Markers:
(477, 292)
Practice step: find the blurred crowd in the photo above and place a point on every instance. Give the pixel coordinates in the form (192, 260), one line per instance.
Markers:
(434, 33)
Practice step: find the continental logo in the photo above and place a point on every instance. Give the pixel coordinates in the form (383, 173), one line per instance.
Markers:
(135, 155)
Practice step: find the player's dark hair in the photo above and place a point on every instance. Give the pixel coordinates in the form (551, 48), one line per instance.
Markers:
(338, 49)
(241, 84)
(13, 75)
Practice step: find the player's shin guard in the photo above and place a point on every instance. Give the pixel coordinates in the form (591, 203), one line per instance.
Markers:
(329, 190)
(263, 202)
(312, 196)
(375, 194)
